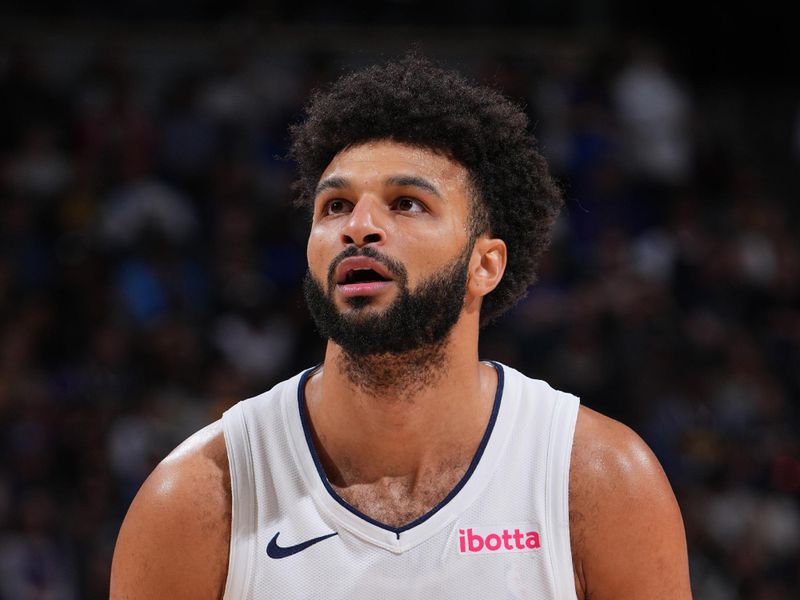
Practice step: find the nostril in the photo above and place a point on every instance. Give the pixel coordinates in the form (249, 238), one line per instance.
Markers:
(371, 238)
(348, 239)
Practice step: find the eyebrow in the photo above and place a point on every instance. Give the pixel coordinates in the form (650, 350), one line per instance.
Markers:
(339, 183)
(331, 183)
(413, 181)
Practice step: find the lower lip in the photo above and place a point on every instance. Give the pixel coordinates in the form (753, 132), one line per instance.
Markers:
(367, 288)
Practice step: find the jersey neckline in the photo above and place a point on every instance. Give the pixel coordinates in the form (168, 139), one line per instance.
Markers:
(396, 539)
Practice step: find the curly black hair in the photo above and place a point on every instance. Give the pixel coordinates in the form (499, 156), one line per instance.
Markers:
(415, 102)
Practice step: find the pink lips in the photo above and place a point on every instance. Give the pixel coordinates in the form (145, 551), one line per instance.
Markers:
(367, 288)
(361, 288)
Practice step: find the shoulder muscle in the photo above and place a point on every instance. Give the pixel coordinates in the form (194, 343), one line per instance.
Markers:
(175, 538)
(627, 533)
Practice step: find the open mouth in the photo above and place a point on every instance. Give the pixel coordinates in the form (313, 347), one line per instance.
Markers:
(363, 276)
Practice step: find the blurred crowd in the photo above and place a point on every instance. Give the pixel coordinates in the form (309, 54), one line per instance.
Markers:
(150, 263)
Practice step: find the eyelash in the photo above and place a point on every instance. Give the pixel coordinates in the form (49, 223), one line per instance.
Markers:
(421, 205)
(327, 206)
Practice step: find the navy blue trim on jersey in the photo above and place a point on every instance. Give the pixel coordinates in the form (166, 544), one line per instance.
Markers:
(397, 530)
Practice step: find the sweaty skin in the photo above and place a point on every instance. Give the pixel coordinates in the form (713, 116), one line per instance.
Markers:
(412, 205)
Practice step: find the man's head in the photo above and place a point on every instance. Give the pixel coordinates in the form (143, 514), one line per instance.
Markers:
(390, 249)
(415, 106)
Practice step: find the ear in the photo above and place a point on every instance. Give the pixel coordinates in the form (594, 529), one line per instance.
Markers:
(486, 267)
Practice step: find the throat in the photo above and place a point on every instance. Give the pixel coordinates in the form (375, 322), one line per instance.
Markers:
(395, 375)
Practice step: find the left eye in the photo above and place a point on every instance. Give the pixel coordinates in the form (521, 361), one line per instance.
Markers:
(406, 204)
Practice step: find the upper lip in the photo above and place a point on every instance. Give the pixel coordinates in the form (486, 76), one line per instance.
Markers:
(360, 262)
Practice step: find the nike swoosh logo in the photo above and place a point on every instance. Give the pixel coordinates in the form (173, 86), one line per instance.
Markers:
(275, 551)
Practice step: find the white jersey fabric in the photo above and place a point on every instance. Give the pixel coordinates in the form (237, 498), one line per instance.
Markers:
(502, 532)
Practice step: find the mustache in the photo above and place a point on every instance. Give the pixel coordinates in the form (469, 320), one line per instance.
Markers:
(397, 270)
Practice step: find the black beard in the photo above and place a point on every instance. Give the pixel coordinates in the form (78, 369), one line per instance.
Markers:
(415, 321)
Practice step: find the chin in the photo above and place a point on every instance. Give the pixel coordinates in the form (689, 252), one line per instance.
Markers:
(360, 303)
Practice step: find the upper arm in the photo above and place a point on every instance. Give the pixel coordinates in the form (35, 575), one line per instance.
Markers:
(627, 533)
(174, 541)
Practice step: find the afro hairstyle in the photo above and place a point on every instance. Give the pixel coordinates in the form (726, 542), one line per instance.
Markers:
(415, 102)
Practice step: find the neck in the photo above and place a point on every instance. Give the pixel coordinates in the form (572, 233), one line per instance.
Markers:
(390, 416)
(393, 377)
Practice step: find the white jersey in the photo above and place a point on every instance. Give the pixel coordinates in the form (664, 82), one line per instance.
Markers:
(502, 532)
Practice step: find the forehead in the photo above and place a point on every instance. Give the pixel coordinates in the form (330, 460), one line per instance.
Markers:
(374, 162)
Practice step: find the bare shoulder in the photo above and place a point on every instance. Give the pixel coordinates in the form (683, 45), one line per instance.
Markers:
(626, 529)
(605, 450)
(175, 538)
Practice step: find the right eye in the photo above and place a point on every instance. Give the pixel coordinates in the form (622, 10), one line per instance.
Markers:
(336, 206)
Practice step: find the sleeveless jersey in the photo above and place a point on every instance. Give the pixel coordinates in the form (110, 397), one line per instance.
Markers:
(502, 532)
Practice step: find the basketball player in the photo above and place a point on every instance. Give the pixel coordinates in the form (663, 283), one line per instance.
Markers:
(403, 466)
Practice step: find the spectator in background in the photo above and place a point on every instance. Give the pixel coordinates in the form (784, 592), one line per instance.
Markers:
(655, 116)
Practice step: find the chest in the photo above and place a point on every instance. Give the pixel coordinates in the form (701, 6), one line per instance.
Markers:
(488, 540)
(397, 501)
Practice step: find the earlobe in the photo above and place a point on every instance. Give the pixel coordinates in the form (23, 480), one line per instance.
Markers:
(487, 266)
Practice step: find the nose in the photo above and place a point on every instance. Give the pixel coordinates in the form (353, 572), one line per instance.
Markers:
(362, 227)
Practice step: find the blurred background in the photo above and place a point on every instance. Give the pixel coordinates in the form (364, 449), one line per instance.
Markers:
(150, 260)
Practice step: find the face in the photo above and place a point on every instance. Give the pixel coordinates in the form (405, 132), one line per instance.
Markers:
(389, 248)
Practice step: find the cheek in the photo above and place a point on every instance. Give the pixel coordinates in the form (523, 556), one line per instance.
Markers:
(428, 256)
(436, 248)
(316, 252)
